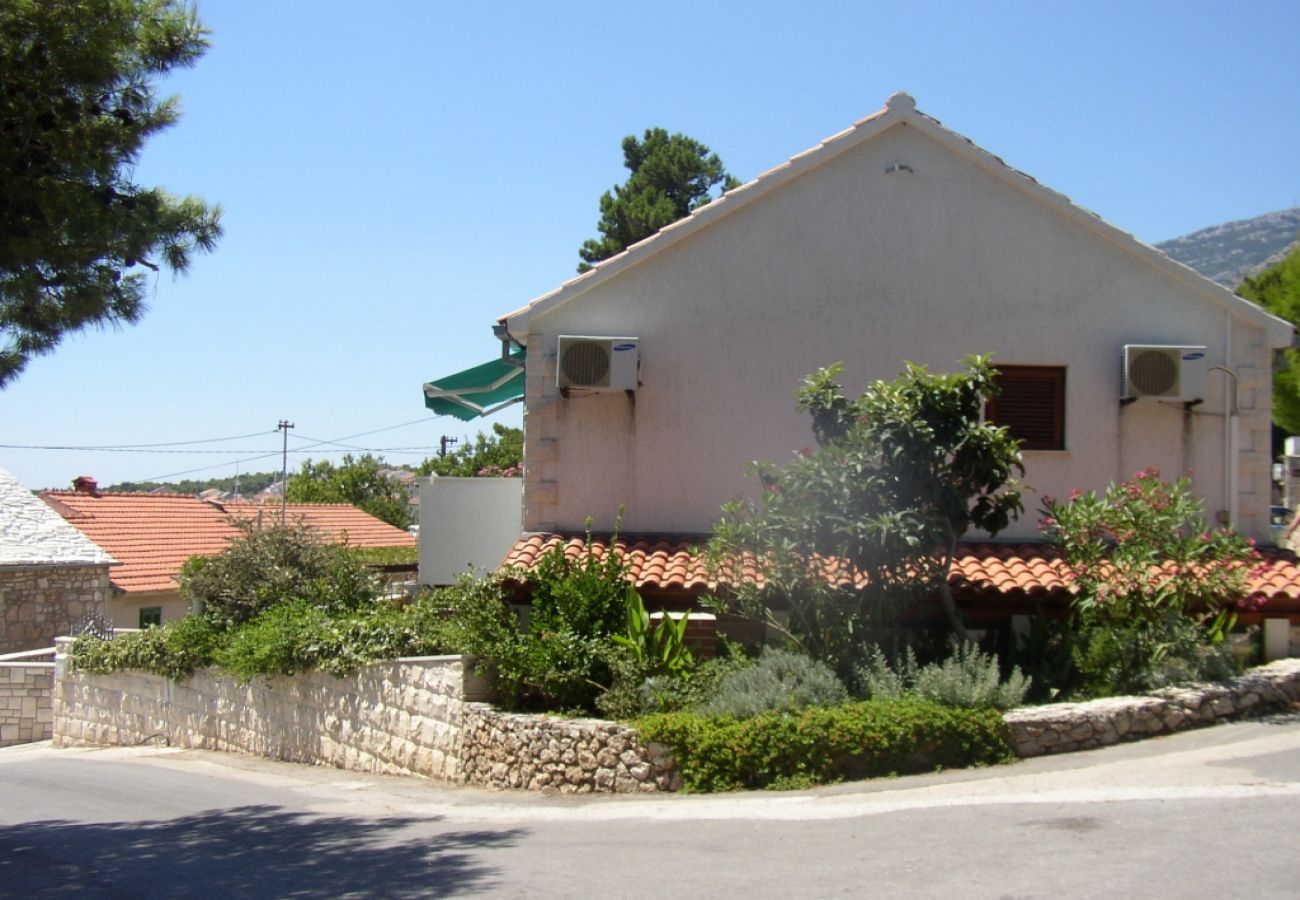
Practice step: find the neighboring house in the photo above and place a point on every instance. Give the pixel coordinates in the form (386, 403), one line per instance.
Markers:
(152, 535)
(52, 577)
(895, 240)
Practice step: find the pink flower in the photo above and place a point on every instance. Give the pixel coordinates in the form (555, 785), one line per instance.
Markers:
(1075, 493)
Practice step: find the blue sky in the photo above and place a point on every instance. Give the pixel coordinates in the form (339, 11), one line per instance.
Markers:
(395, 175)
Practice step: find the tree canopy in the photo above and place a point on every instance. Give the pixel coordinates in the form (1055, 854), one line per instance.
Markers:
(671, 176)
(359, 481)
(897, 477)
(79, 238)
(1278, 291)
(499, 454)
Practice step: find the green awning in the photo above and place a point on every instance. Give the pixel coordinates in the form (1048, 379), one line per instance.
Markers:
(479, 391)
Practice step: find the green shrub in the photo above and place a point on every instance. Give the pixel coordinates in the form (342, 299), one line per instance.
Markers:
(781, 681)
(386, 556)
(967, 677)
(1153, 580)
(173, 650)
(267, 566)
(970, 678)
(859, 740)
(563, 660)
(636, 692)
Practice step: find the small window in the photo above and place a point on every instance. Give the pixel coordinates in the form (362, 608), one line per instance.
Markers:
(1031, 405)
(150, 616)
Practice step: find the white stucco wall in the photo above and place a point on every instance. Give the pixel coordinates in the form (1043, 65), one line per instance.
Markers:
(124, 609)
(466, 522)
(851, 263)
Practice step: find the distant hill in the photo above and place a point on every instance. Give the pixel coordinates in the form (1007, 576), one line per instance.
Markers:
(1229, 252)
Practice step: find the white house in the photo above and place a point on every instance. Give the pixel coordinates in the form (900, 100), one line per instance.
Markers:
(896, 239)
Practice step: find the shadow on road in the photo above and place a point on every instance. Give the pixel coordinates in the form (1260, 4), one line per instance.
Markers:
(249, 851)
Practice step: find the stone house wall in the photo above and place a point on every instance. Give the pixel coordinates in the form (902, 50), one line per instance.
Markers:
(25, 711)
(39, 602)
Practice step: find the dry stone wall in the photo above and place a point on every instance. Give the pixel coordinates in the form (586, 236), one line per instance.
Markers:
(571, 756)
(1065, 727)
(25, 711)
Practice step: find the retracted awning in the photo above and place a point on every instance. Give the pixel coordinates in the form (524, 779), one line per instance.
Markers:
(479, 391)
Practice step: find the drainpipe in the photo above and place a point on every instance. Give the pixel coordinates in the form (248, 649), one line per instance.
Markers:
(1232, 430)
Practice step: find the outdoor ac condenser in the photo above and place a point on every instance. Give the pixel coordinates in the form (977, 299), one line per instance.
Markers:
(1164, 372)
(597, 363)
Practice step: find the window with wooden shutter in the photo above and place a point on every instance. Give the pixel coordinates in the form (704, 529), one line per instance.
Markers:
(1031, 405)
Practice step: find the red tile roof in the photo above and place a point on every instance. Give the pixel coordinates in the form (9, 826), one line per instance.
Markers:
(1022, 573)
(152, 535)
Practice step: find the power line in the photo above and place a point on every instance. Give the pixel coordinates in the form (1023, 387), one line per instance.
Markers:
(295, 450)
(420, 449)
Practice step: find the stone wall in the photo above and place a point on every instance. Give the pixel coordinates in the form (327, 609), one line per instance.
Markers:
(572, 756)
(1065, 727)
(408, 717)
(421, 717)
(398, 718)
(39, 602)
(25, 711)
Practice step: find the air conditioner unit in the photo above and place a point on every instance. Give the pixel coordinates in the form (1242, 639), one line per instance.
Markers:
(597, 363)
(1164, 372)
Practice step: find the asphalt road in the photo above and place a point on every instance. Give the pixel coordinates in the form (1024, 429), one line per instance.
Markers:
(1212, 813)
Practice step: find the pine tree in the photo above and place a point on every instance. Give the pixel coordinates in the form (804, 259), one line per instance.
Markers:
(672, 175)
(78, 238)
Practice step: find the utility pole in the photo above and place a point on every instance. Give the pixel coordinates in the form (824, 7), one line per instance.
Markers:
(284, 426)
(442, 451)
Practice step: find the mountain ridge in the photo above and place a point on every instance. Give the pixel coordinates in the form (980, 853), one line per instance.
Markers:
(1229, 252)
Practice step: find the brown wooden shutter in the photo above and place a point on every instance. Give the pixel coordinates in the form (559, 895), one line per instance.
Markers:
(1031, 405)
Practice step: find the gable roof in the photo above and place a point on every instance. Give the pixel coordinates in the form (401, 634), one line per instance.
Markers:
(154, 534)
(984, 575)
(31, 534)
(899, 111)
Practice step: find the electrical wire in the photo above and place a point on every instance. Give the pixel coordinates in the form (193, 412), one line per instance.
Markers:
(316, 443)
(313, 443)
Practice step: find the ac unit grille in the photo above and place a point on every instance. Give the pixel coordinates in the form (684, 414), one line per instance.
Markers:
(1154, 372)
(585, 363)
(597, 363)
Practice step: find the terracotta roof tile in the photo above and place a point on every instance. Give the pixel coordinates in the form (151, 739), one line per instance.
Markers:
(152, 535)
(981, 572)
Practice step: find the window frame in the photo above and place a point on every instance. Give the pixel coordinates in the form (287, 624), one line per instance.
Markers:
(1055, 377)
(154, 615)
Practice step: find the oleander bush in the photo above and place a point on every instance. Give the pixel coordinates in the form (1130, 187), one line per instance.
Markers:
(818, 745)
(1157, 587)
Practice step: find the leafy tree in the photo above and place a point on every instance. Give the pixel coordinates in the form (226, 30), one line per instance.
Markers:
(269, 566)
(848, 533)
(671, 176)
(361, 482)
(76, 232)
(1278, 291)
(496, 454)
